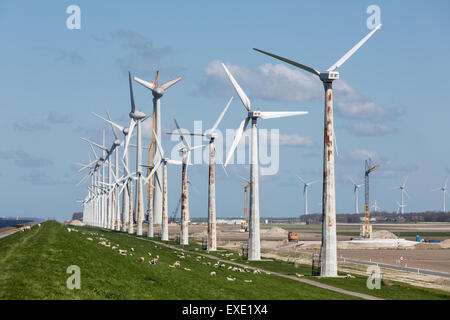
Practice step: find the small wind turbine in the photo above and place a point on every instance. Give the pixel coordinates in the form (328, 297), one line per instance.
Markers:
(375, 206)
(355, 192)
(211, 136)
(305, 191)
(444, 193)
(186, 152)
(157, 92)
(399, 206)
(254, 248)
(328, 250)
(403, 191)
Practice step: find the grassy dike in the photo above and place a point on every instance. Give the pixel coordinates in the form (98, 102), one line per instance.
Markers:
(33, 266)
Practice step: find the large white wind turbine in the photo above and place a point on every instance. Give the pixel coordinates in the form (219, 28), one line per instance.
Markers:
(328, 249)
(254, 249)
(305, 191)
(211, 136)
(355, 193)
(444, 193)
(137, 117)
(157, 92)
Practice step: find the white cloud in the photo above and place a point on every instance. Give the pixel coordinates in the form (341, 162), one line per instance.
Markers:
(370, 129)
(294, 140)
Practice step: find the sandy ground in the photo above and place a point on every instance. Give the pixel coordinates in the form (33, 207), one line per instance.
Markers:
(274, 245)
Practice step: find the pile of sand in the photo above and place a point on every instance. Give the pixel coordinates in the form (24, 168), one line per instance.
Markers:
(274, 231)
(383, 234)
(76, 223)
(445, 244)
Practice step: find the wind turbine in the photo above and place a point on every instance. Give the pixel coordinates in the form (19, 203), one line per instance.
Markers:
(211, 136)
(254, 248)
(444, 193)
(399, 206)
(137, 117)
(127, 195)
(157, 92)
(355, 192)
(186, 152)
(328, 249)
(375, 206)
(305, 191)
(403, 191)
(163, 161)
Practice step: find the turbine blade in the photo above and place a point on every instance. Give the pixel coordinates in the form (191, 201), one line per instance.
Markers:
(404, 182)
(127, 140)
(170, 83)
(186, 144)
(245, 100)
(281, 114)
(158, 145)
(238, 137)
(353, 50)
(221, 115)
(304, 182)
(312, 182)
(110, 122)
(296, 64)
(95, 144)
(186, 134)
(112, 127)
(148, 85)
(174, 162)
(133, 107)
(196, 147)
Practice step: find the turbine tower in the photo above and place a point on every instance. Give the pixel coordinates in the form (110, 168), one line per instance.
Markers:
(355, 192)
(137, 117)
(328, 249)
(211, 136)
(254, 248)
(157, 91)
(375, 206)
(444, 193)
(305, 191)
(186, 152)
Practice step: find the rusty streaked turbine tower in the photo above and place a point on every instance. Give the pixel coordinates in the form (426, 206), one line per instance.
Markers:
(254, 248)
(157, 92)
(211, 136)
(328, 257)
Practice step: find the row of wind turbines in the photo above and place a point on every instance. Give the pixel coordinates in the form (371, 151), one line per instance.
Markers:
(400, 205)
(101, 205)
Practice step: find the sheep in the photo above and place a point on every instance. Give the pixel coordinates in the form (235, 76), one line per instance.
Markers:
(39, 224)
(230, 267)
(90, 239)
(213, 273)
(149, 254)
(154, 261)
(268, 273)
(256, 271)
(247, 280)
(142, 259)
(208, 263)
(349, 276)
(187, 269)
(231, 279)
(222, 266)
(122, 251)
(132, 249)
(299, 275)
(114, 248)
(176, 264)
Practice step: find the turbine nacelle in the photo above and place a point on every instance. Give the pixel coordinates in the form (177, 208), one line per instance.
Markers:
(125, 131)
(117, 143)
(137, 115)
(329, 76)
(158, 92)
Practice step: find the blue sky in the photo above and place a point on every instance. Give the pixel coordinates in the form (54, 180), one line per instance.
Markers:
(391, 101)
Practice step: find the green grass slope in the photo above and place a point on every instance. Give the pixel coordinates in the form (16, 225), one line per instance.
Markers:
(33, 266)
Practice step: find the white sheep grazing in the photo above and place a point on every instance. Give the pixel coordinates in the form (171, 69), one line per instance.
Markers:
(255, 271)
(176, 264)
(114, 248)
(222, 266)
(230, 267)
(149, 254)
(349, 276)
(208, 263)
(171, 266)
(213, 273)
(132, 249)
(68, 229)
(231, 279)
(90, 239)
(181, 257)
(268, 273)
(157, 257)
(247, 280)
(299, 275)
(39, 224)
(187, 269)
(142, 259)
